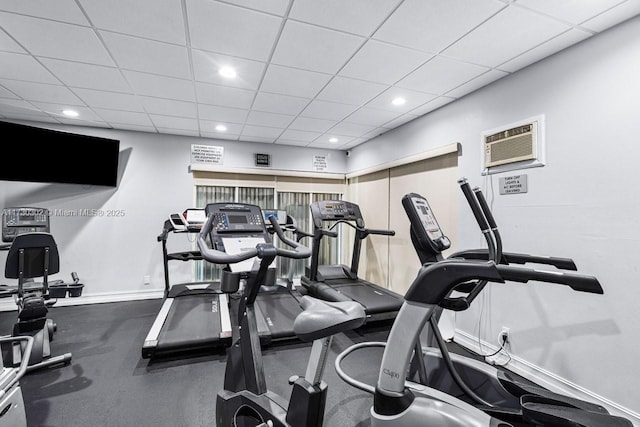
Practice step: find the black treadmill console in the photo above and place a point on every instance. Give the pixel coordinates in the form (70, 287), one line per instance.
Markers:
(235, 220)
(16, 221)
(334, 210)
(424, 226)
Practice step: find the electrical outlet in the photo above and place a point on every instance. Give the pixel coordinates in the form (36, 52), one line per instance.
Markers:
(147, 280)
(504, 336)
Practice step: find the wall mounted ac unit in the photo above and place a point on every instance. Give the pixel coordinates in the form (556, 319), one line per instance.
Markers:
(514, 146)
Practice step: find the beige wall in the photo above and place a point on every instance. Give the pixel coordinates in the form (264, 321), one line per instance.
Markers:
(392, 261)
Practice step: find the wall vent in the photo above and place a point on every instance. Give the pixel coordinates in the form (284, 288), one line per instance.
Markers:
(517, 144)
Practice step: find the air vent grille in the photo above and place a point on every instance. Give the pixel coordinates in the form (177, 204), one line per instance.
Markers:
(510, 145)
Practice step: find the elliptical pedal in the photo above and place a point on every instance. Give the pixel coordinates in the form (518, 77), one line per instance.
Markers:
(537, 409)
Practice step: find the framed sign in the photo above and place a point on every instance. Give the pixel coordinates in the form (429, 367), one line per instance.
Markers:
(263, 160)
(210, 154)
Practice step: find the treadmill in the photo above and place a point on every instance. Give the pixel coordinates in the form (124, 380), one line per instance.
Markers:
(277, 303)
(195, 315)
(338, 282)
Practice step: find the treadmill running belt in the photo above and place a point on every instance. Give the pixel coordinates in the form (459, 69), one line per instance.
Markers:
(279, 309)
(192, 322)
(374, 298)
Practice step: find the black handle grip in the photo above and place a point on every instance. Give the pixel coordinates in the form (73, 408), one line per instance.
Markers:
(516, 258)
(473, 203)
(577, 282)
(485, 207)
(381, 232)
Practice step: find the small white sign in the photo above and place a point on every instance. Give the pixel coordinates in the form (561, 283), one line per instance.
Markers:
(319, 163)
(513, 184)
(210, 154)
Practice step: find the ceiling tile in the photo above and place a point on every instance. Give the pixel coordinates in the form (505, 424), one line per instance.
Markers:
(75, 74)
(207, 64)
(299, 135)
(574, 11)
(59, 10)
(353, 16)
(176, 131)
(124, 117)
(383, 63)
(261, 139)
(261, 131)
(141, 128)
(78, 122)
(324, 140)
(4, 93)
(351, 129)
(231, 30)
(209, 127)
(170, 122)
(478, 82)
(35, 117)
(169, 107)
(426, 108)
(291, 81)
(134, 53)
(312, 125)
(222, 114)
(375, 132)
(55, 110)
(80, 43)
(314, 48)
(350, 91)
(217, 135)
(432, 25)
(224, 95)
(260, 118)
(412, 98)
(525, 31)
(7, 44)
(548, 48)
(328, 110)
(277, 7)
(276, 103)
(613, 16)
(16, 107)
(109, 100)
(153, 19)
(31, 91)
(353, 143)
(371, 116)
(24, 67)
(440, 75)
(160, 86)
(399, 121)
(292, 142)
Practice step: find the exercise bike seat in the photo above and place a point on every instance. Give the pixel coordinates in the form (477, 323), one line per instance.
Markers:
(320, 319)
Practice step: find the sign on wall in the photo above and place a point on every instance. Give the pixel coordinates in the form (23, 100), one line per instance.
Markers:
(319, 163)
(209, 154)
(513, 184)
(263, 160)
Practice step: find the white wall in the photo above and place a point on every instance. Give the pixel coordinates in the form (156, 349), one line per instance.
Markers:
(583, 204)
(113, 254)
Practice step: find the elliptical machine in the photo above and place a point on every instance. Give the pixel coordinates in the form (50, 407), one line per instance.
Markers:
(504, 400)
(245, 400)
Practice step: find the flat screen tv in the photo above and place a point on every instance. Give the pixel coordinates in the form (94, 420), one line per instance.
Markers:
(36, 154)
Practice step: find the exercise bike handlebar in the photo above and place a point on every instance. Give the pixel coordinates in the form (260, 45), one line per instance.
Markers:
(219, 257)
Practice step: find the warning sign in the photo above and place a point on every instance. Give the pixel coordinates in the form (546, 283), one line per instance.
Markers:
(209, 154)
(319, 163)
(513, 184)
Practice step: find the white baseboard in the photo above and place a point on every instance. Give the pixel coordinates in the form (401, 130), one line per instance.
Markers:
(8, 304)
(542, 377)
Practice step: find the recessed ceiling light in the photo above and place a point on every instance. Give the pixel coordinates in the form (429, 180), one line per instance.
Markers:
(333, 139)
(398, 101)
(70, 113)
(221, 128)
(228, 72)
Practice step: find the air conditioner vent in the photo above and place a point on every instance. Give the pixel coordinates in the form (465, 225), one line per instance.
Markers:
(511, 145)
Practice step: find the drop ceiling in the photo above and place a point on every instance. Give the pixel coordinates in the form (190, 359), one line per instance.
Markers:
(317, 73)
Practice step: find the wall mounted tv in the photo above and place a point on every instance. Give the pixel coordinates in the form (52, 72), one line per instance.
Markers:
(36, 154)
